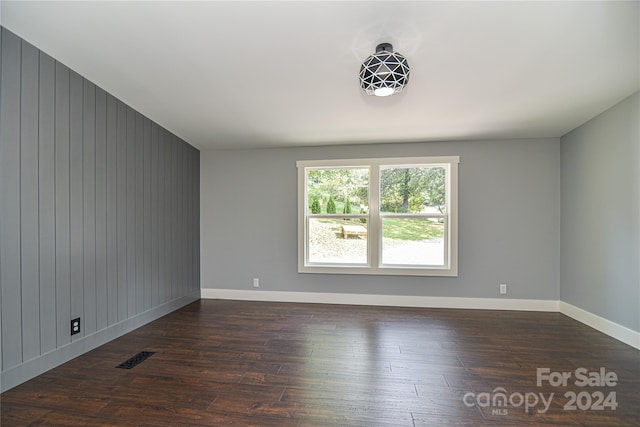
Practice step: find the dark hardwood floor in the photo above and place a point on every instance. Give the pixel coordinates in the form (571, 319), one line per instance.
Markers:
(220, 363)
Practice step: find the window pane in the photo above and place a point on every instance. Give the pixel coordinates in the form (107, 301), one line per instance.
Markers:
(337, 241)
(337, 191)
(413, 241)
(412, 190)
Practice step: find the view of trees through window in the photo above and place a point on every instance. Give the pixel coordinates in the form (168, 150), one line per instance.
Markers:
(412, 211)
(342, 197)
(412, 204)
(412, 190)
(342, 191)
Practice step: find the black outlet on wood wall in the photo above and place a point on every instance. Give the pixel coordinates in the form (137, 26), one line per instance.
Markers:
(75, 326)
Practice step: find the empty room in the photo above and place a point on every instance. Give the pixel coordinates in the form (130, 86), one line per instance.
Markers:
(319, 213)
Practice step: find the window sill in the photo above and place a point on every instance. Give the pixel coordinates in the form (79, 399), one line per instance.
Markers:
(380, 271)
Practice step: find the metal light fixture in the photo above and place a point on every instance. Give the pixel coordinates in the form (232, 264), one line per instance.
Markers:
(385, 72)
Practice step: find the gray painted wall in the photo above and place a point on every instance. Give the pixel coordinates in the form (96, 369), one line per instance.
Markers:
(600, 250)
(99, 214)
(509, 221)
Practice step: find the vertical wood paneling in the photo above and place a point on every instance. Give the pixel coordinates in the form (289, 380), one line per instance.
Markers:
(172, 215)
(121, 221)
(168, 244)
(189, 248)
(112, 210)
(97, 208)
(196, 221)
(177, 238)
(186, 219)
(76, 193)
(2, 188)
(10, 273)
(101, 209)
(29, 224)
(131, 212)
(162, 215)
(63, 225)
(46, 203)
(182, 218)
(89, 205)
(146, 215)
(154, 216)
(182, 210)
(194, 218)
(176, 219)
(139, 207)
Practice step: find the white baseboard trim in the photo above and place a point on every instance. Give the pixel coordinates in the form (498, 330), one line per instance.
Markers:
(614, 330)
(382, 300)
(41, 364)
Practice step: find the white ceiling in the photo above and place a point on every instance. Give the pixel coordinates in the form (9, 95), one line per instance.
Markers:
(265, 74)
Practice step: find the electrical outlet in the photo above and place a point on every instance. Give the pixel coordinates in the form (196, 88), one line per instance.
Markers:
(503, 288)
(75, 326)
(256, 282)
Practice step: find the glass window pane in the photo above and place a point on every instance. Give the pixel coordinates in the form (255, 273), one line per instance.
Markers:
(337, 191)
(413, 241)
(337, 241)
(412, 190)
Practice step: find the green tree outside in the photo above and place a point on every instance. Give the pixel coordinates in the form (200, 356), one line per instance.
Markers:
(315, 206)
(410, 190)
(331, 206)
(347, 207)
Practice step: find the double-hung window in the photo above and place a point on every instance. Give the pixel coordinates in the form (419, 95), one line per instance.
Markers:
(394, 216)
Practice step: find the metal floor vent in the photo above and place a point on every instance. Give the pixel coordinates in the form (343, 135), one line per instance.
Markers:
(135, 360)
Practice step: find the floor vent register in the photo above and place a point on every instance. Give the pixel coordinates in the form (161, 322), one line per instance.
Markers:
(135, 360)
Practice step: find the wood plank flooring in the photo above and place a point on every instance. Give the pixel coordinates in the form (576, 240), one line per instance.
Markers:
(220, 363)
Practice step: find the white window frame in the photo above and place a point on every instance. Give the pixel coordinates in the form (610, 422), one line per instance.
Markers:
(374, 238)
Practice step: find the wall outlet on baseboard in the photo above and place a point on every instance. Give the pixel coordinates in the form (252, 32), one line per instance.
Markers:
(503, 288)
(256, 282)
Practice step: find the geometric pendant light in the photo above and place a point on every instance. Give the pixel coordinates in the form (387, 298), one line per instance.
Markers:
(385, 72)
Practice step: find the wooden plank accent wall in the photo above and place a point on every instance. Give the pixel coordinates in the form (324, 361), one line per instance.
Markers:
(99, 208)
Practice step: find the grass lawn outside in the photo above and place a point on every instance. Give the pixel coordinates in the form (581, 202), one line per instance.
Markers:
(412, 228)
